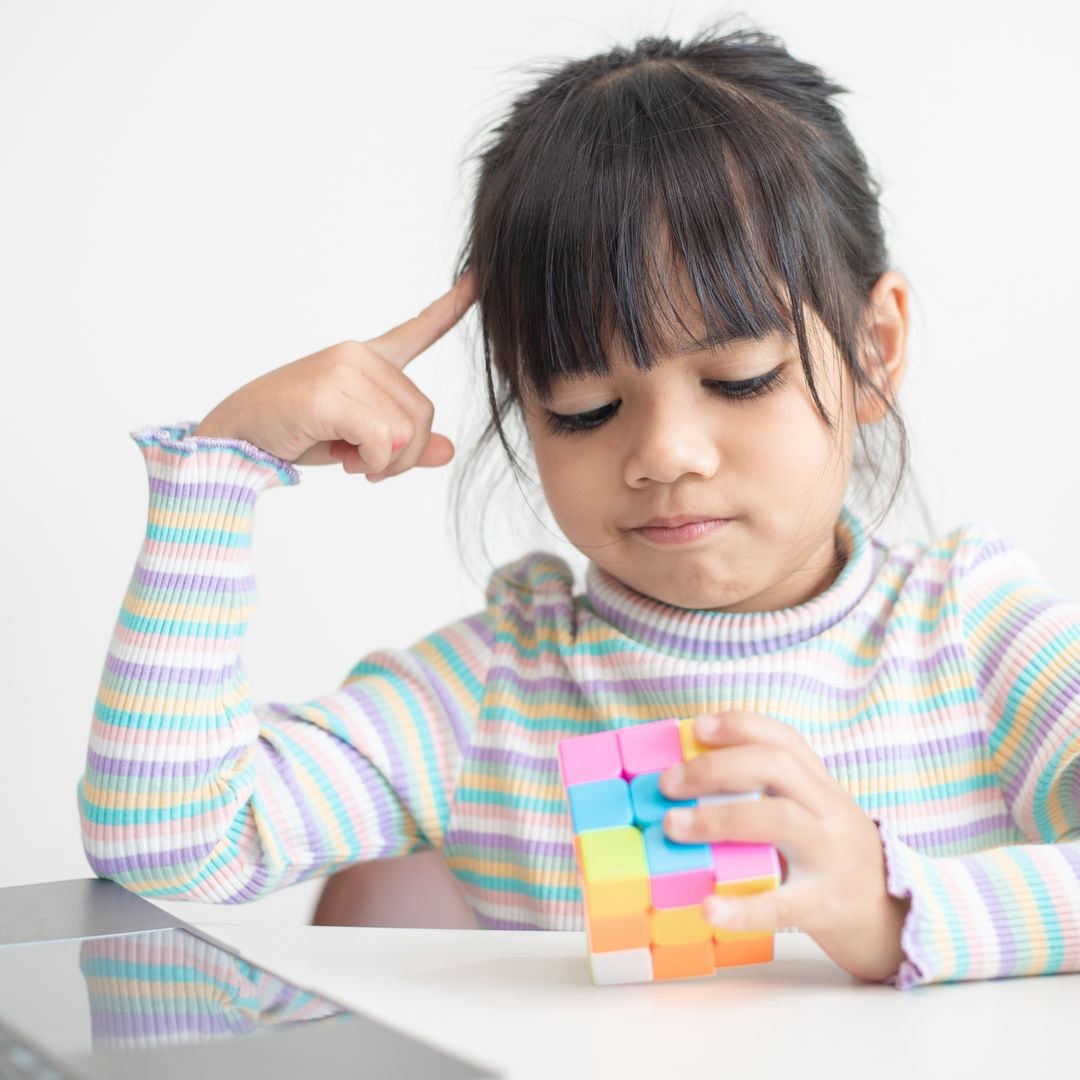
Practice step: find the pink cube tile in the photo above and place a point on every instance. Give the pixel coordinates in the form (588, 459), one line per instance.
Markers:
(682, 889)
(734, 860)
(585, 758)
(649, 747)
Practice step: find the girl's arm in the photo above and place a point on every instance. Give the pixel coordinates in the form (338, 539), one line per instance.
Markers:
(1011, 910)
(191, 790)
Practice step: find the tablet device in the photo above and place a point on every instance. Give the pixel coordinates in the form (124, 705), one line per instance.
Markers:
(83, 997)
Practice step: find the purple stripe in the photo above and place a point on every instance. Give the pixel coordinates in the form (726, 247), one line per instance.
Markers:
(369, 779)
(992, 895)
(489, 922)
(497, 755)
(301, 805)
(399, 775)
(1036, 739)
(973, 740)
(943, 660)
(482, 629)
(194, 676)
(1070, 852)
(859, 756)
(161, 579)
(251, 889)
(1005, 636)
(460, 726)
(235, 493)
(960, 838)
(145, 1024)
(551, 849)
(690, 645)
(145, 860)
(1052, 704)
(988, 549)
(1063, 699)
(127, 767)
(361, 761)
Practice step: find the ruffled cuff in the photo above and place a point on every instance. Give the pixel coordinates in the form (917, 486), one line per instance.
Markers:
(230, 460)
(902, 874)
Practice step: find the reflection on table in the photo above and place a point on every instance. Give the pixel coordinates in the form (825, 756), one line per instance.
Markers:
(166, 987)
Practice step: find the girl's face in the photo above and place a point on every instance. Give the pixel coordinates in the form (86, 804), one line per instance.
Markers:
(668, 442)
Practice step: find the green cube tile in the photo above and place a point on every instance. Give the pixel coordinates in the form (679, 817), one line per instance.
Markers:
(613, 854)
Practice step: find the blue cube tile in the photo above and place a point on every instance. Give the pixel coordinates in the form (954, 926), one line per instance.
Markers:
(600, 804)
(650, 803)
(666, 856)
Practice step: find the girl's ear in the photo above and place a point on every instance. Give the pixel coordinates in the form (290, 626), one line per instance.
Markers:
(884, 357)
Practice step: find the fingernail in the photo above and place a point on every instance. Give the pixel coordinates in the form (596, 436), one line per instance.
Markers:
(717, 910)
(707, 726)
(674, 777)
(681, 818)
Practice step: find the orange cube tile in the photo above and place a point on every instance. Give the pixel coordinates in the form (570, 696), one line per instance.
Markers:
(731, 953)
(612, 932)
(684, 961)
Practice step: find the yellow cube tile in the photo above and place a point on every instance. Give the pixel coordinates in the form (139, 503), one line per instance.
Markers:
(691, 748)
(604, 899)
(737, 888)
(720, 934)
(679, 925)
(746, 885)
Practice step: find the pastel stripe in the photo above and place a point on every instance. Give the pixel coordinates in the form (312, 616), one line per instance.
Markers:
(938, 682)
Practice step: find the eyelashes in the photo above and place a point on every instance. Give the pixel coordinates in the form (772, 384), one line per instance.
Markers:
(744, 390)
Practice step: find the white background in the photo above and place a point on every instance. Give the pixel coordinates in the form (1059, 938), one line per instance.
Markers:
(193, 194)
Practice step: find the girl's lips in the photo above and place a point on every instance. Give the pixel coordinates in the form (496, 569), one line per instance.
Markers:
(682, 534)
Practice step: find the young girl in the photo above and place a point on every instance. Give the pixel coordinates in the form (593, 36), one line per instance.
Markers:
(685, 298)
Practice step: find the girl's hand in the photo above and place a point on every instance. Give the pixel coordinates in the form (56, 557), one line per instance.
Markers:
(833, 885)
(351, 402)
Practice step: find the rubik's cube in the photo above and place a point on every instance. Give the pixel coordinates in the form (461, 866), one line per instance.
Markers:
(642, 890)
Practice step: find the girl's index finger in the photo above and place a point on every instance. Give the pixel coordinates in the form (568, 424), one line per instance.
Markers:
(406, 341)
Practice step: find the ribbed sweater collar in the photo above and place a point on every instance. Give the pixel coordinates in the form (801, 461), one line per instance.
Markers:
(720, 635)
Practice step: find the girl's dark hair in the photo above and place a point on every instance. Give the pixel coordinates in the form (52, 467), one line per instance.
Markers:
(724, 151)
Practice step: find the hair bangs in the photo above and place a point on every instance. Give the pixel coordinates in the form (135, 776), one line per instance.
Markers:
(643, 225)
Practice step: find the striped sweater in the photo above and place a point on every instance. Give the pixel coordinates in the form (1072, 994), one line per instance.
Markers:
(939, 683)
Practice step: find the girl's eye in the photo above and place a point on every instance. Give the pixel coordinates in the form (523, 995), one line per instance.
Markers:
(560, 423)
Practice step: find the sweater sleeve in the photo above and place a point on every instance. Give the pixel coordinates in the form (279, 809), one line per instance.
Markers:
(1011, 910)
(193, 791)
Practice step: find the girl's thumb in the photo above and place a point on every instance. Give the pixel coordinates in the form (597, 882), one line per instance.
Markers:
(438, 451)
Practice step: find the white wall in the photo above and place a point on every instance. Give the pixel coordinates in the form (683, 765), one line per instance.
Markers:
(193, 194)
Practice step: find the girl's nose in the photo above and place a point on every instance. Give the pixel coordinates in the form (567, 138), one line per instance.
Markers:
(668, 443)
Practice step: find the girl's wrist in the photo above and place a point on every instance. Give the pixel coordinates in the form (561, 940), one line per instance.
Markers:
(211, 427)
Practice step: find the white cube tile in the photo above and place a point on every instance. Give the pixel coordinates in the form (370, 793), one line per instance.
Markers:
(621, 966)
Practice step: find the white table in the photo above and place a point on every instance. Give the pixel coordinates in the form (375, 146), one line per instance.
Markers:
(521, 1003)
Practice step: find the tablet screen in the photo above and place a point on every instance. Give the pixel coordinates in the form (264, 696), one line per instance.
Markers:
(144, 990)
(96, 983)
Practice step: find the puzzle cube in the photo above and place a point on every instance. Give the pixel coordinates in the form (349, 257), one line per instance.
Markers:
(643, 891)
